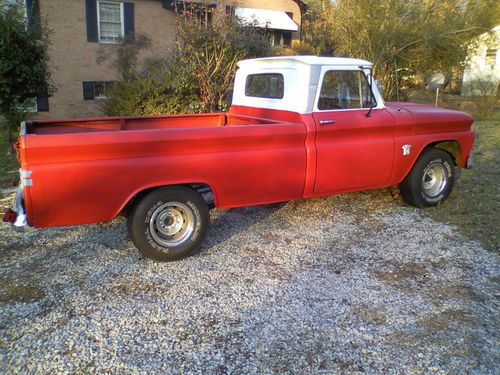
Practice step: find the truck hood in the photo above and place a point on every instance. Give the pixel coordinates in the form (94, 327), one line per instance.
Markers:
(430, 119)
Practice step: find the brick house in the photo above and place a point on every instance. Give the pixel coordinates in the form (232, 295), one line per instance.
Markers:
(77, 28)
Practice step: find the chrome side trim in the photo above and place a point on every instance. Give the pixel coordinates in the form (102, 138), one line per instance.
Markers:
(26, 179)
(25, 174)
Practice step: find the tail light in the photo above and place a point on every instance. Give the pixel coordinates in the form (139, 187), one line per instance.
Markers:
(17, 148)
(9, 216)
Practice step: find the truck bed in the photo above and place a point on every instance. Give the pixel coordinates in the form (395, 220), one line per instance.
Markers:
(86, 170)
(110, 124)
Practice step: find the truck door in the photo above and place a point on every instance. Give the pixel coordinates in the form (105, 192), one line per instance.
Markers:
(354, 151)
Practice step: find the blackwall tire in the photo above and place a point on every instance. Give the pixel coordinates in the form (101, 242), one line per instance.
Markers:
(431, 179)
(169, 223)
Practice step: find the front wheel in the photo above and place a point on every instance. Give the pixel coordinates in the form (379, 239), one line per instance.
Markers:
(431, 179)
(169, 223)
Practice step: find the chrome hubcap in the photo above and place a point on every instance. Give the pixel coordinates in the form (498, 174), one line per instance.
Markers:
(171, 224)
(434, 180)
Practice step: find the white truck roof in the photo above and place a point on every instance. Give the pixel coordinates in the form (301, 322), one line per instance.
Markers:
(308, 60)
(301, 74)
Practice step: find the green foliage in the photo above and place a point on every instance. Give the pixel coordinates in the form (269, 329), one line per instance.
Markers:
(124, 56)
(164, 90)
(420, 37)
(296, 49)
(197, 75)
(8, 162)
(23, 62)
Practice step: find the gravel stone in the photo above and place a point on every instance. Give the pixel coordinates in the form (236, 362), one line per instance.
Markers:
(355, 283)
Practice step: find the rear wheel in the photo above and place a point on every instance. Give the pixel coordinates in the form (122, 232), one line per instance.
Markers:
(431, 179)
(169, 223)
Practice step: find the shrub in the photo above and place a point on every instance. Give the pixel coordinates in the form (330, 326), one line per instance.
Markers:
(485, 95)
(164, 90)
(297, 49)
(198, 74)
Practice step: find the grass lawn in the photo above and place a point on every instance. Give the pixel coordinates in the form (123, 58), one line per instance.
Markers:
(474, 205)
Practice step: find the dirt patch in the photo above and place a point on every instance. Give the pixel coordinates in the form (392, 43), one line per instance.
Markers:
(12, 292)
(370, 315)
(463, 291)
(444, 320)
(402, 272)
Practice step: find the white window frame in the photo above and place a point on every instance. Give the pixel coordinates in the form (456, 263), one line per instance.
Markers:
(122, 20)
(106, 84)
(31, 107)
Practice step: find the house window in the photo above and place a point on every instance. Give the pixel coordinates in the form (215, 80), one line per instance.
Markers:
(110, 21)
(491, 57)
(35, 105)
(281, 38)
(202, 12)
(287, 38)
(29, 106)
(276, 39)
(96, 89)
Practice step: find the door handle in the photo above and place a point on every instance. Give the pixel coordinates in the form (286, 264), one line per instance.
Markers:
(327, 122)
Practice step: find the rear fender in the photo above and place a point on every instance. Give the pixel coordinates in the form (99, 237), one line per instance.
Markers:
(136, 197)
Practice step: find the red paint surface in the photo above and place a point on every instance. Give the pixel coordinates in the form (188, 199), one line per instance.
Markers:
(85, 171)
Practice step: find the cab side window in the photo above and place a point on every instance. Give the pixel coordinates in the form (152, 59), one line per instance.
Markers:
(345, 89)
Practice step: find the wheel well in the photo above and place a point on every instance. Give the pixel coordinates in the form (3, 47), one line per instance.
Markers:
(204, 190)
(451, 147)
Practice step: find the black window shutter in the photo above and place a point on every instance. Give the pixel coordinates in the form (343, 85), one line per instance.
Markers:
(128, 12)
(42, 103)
(167, 4)
(88, 90)
(91, 15)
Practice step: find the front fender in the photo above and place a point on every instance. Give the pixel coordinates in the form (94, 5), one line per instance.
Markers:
(416, 144)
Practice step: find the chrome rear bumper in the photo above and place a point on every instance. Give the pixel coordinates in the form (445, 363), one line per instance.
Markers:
(18, 208)
(17, 214)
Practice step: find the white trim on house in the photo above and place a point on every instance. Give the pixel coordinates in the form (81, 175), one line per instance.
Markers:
(266, 19)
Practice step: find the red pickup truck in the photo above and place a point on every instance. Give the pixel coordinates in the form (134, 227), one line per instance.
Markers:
(299, 127)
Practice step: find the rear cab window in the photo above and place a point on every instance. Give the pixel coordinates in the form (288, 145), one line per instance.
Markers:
(265, 85)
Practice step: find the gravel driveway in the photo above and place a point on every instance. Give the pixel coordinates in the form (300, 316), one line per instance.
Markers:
(346, 284)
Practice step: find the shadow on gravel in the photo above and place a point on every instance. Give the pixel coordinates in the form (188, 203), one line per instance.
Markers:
(228, 223)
